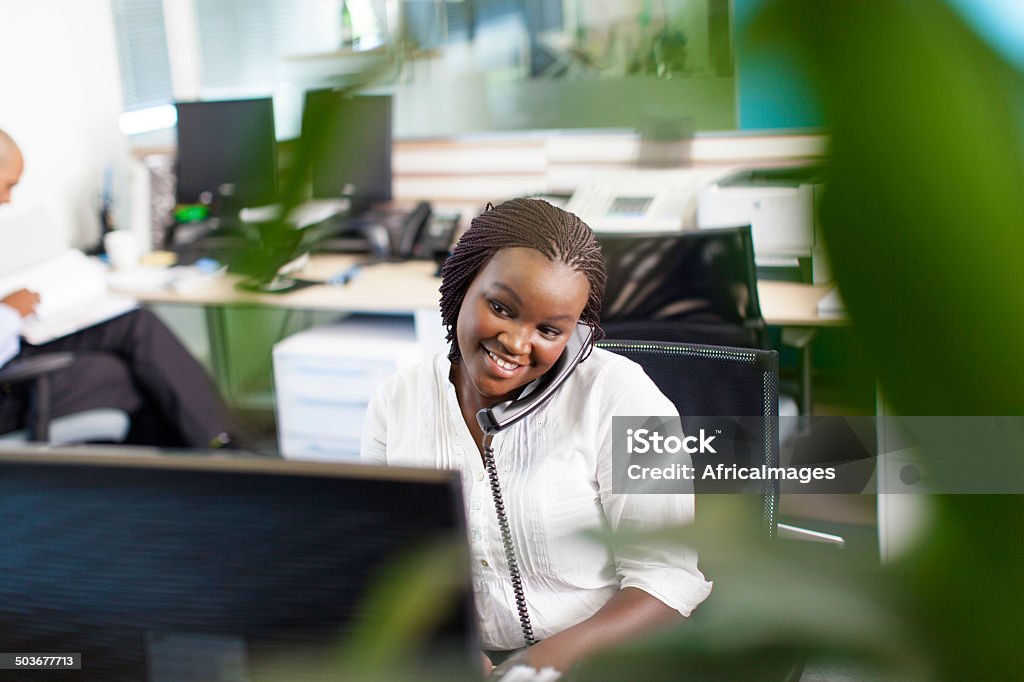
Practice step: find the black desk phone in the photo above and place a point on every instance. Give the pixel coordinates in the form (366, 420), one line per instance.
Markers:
(385, 235)
(393, 236)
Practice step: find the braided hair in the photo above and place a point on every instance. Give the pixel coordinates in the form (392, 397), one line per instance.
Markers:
(528, 223)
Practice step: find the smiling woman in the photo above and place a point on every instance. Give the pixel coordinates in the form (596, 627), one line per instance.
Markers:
(513, 291)
(513, 325)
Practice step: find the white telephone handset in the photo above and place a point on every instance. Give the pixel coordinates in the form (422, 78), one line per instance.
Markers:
(641, 200)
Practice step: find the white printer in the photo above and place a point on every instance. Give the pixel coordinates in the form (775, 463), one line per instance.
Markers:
(779, 204)
(324, 378)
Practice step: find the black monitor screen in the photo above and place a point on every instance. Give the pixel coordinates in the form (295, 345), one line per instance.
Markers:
(228, 150)
(145, 563)
(350, 140)
(694, 287)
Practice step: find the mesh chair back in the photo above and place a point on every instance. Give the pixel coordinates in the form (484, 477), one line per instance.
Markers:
(689, 287)
(719, 381)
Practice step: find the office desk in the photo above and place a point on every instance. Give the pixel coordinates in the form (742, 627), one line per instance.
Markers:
(787, 304)
(404, 288)
(389, 288)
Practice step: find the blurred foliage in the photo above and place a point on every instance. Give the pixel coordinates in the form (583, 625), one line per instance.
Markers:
(395, 638)
(402, 611)
(922, 215)
(263, 248)
(775, 604)
(923, 206)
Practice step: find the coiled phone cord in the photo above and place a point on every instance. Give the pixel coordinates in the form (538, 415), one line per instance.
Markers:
(506, 540)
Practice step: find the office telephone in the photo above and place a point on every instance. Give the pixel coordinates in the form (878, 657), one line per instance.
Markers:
(391, 235)
(641, 200)
(500, 417)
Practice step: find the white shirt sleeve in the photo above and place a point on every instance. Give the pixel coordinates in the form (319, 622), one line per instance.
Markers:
(10, 330)
(667, 572)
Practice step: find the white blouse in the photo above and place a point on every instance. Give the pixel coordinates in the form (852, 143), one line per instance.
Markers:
(555, 472)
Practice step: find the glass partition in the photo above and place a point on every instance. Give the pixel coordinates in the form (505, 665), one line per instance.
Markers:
(460, 67)
(505, 65)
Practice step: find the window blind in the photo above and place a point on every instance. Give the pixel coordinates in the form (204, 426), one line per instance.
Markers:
(242, 42)
(142, 53)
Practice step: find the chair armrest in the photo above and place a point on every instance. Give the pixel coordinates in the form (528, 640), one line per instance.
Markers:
(37, 370)
(33, 368)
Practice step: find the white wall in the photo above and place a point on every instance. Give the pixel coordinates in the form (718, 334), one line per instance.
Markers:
(60, 97)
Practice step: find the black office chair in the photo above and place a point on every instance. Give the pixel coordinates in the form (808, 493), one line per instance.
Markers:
(720, 381)
(717, 381)
(108, 425)
(688, 287)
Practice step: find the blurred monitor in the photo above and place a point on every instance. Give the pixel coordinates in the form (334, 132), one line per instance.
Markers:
(349, 138)
(227, 153)
(161, 567)
(690, 287)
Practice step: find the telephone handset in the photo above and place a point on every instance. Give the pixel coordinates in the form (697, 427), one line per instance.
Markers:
(424, 235)
(412, 230)
(501, 416)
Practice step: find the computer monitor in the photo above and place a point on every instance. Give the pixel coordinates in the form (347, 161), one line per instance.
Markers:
(140, 563)
(227, 153)
(693, 287)
(349, 138)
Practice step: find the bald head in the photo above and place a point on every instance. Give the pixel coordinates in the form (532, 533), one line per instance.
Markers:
(11, 166)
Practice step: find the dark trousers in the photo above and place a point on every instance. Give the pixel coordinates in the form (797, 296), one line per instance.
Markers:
(134, 363)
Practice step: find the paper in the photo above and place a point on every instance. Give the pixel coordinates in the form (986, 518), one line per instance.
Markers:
(92, 312)
(73, 295)
(183, 279)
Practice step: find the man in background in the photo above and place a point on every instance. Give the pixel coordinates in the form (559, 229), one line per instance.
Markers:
(132, 362)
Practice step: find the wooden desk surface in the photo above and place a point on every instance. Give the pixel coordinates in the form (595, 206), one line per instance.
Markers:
(403, 288)
(796, 305)
(397, 288)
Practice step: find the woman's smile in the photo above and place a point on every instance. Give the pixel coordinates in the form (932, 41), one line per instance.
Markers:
(503, 366)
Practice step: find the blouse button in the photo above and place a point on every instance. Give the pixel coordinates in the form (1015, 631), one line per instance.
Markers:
(476, 505)
(479, 477)
(483, 562)
(477, 535)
